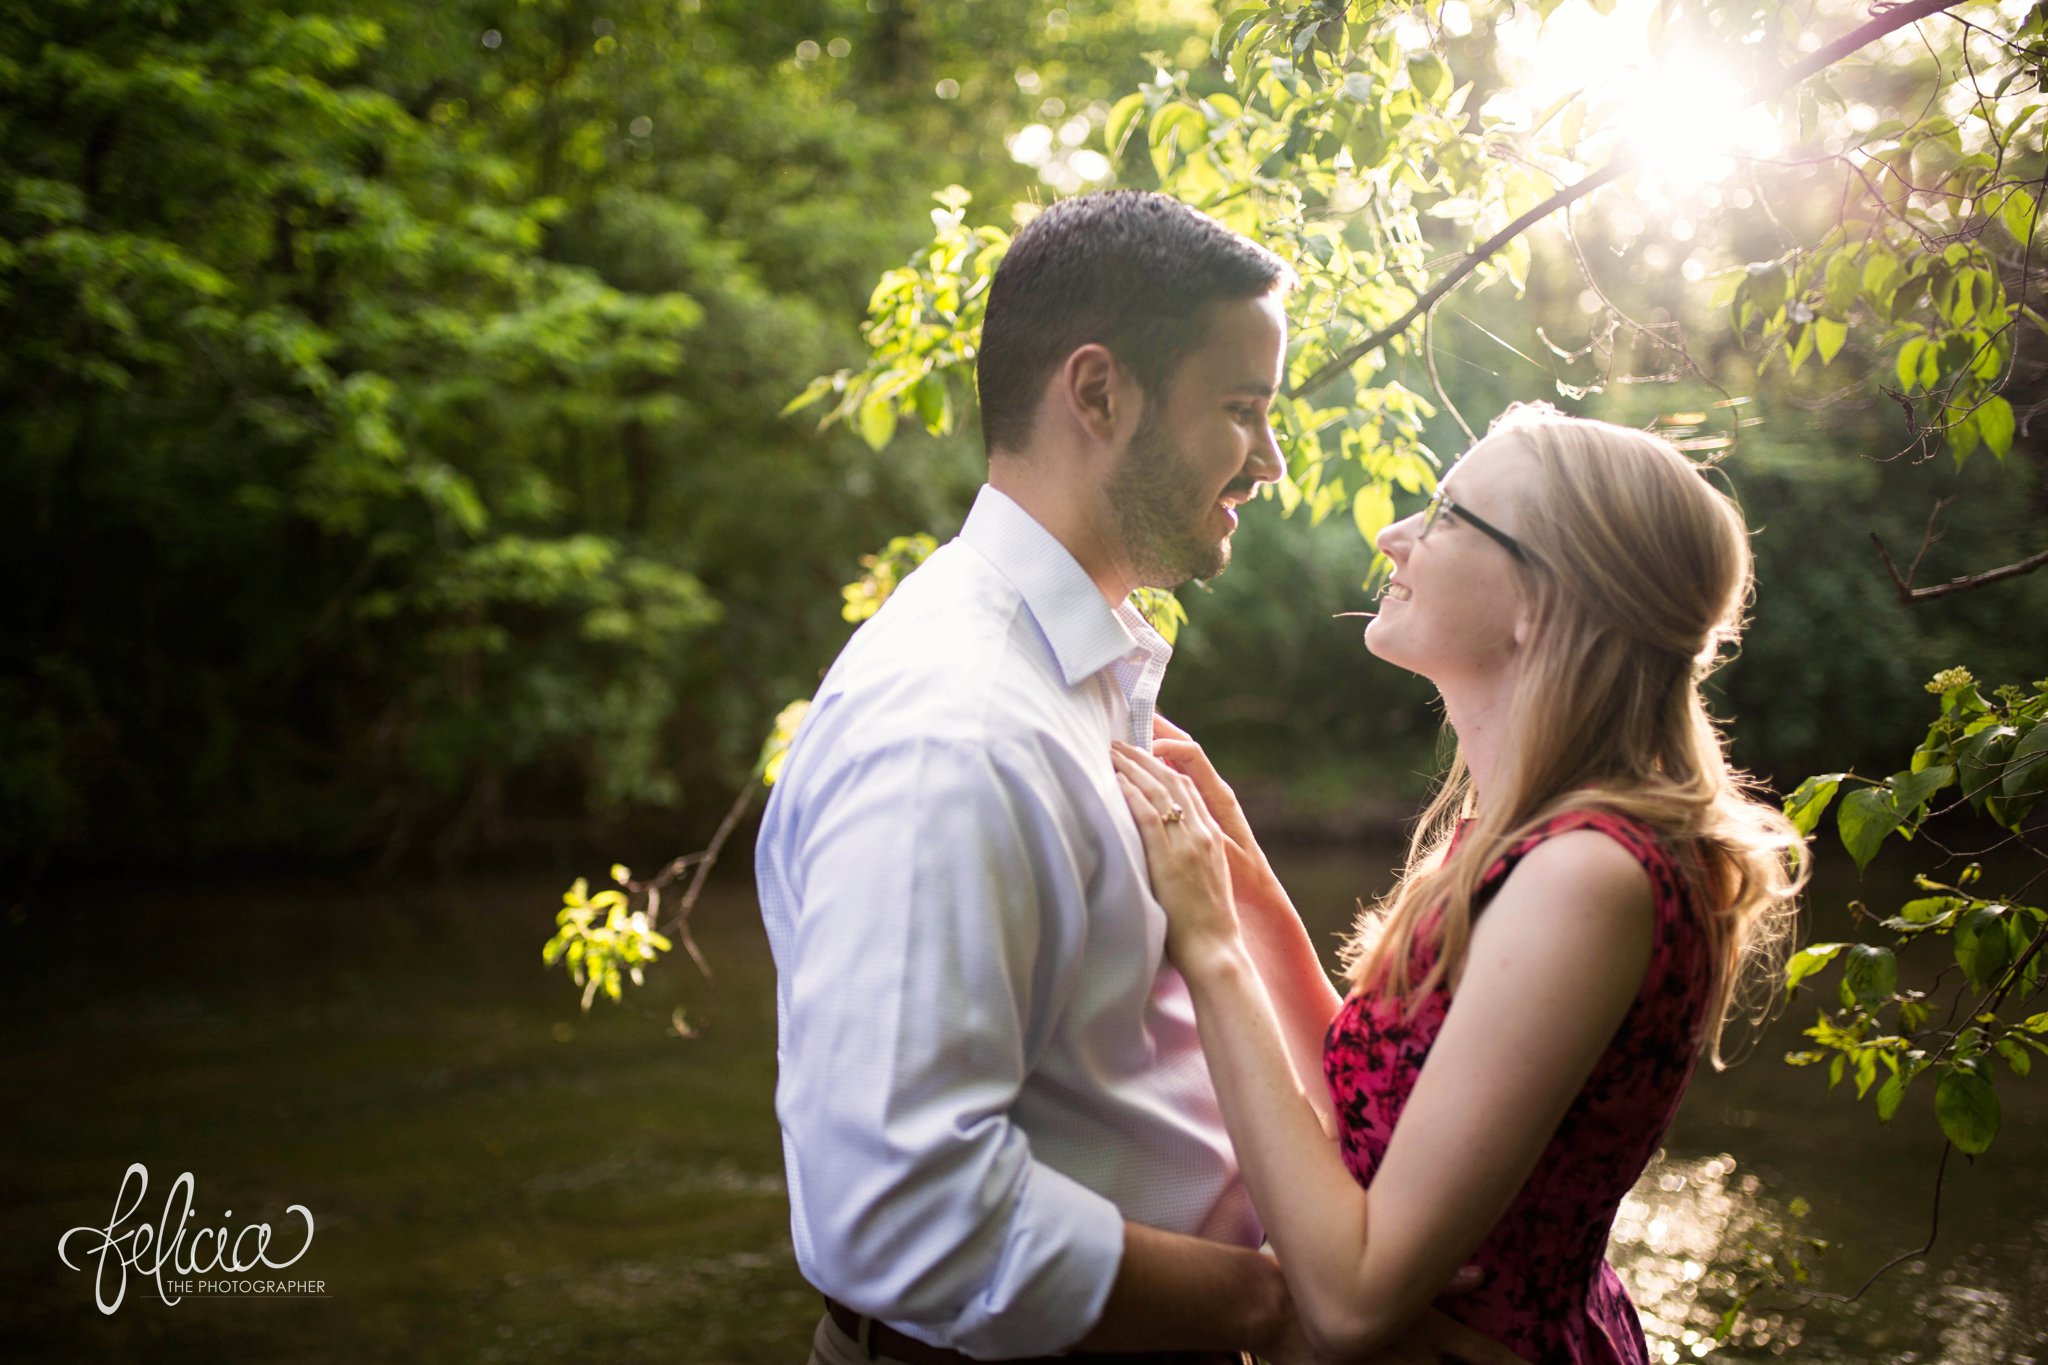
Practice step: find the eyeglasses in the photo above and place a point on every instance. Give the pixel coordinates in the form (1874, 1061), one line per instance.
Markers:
(1440, 503)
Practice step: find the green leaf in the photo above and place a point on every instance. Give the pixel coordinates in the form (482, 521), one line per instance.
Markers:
(1881, 276)
(1909, 361)
(1807, 961)
(1123, 116)
(1865, 818)
(1995, 425)
(1373, 510)
(2017, 1057)
(934, 404)
(1963, 437)
(1983, 950)
(1828, 336)
(1843, 282)
(877, 423)
(775, 750)
(1910, 790)
(1928, 909)
(2018, 213)
(1368, 139)
(1765, 288)
(2026, 772)
(1431, 76)
(1888, 1096)
(813, 391)
(1806, 805)
(1870, 975)
(1175, 128)
(1981, 759)
(1967, 1109)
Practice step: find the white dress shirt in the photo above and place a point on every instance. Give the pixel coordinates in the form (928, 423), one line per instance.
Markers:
(986, 1064)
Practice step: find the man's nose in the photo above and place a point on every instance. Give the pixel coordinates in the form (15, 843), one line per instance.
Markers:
(1266, 463)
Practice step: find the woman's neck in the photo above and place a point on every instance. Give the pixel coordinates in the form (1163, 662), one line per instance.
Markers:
(1478, 715)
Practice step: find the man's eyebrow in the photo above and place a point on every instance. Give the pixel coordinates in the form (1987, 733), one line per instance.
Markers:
(1257, 388)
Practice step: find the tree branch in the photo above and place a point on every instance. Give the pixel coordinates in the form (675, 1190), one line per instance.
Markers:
(1908, 594)
(1888, 20)
(702, 861)
(1471, 261)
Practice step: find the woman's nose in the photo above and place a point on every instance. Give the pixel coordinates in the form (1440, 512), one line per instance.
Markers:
(1397, 538)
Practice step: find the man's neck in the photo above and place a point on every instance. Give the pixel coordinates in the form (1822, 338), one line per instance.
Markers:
(1072, 514)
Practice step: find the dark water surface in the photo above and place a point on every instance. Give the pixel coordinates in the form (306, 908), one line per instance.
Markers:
(496, 1177)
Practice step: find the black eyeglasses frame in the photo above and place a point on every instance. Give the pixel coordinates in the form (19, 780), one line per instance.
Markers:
(1441, 502)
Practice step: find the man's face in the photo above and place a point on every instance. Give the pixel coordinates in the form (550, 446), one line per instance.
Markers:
(1203, 447)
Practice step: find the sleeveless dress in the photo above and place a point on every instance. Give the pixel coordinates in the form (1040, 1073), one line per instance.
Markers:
(1549, 1294)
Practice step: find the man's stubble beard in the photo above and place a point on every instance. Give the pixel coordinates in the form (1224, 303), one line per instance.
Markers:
(1162, 513)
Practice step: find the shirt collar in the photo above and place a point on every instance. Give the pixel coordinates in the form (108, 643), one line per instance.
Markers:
(1085, 633)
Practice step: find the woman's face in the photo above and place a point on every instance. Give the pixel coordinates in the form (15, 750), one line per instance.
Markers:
(1454, 608)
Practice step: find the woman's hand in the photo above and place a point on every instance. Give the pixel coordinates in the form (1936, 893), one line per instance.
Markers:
(1251, 876)
(1186, 853)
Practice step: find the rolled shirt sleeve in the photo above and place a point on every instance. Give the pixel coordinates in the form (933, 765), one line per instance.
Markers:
(943, 919)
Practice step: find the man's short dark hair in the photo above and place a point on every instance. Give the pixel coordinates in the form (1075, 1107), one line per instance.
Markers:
(1128, 269)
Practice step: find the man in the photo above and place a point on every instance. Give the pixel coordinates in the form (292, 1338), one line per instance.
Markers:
(1000, 1135)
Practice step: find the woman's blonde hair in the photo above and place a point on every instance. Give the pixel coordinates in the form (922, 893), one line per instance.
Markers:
(1639, 575)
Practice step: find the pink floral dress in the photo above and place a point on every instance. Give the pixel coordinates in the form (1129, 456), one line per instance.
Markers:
(1549, 1294)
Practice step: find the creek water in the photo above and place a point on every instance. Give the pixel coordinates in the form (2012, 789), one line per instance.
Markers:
(494, 1176)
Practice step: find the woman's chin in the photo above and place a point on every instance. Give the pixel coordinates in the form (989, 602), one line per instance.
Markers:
(1383, 642)
(1376, 641)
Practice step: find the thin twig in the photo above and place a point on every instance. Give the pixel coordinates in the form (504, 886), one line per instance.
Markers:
(1928, 538)
(1429, 355)
(1933, 1230)
(680, 924)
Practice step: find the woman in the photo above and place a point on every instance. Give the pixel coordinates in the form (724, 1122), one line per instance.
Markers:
(1572, 926)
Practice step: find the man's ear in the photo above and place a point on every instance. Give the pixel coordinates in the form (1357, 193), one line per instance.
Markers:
(1095, 390)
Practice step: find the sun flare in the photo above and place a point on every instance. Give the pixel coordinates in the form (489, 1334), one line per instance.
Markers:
(1682, 118)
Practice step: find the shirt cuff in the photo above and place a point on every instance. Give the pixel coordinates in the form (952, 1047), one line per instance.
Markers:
(1066, 1244)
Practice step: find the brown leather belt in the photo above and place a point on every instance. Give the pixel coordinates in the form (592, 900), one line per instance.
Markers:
(880, 1339)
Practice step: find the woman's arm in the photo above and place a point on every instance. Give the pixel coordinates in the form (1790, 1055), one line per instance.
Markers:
(1553, 966)
(1287, 963)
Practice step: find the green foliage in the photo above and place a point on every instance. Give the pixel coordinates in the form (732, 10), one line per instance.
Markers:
(1985, 748)
(923, 322)
(601, 953)
(881, 572)
(391, 401)
(775, 750)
